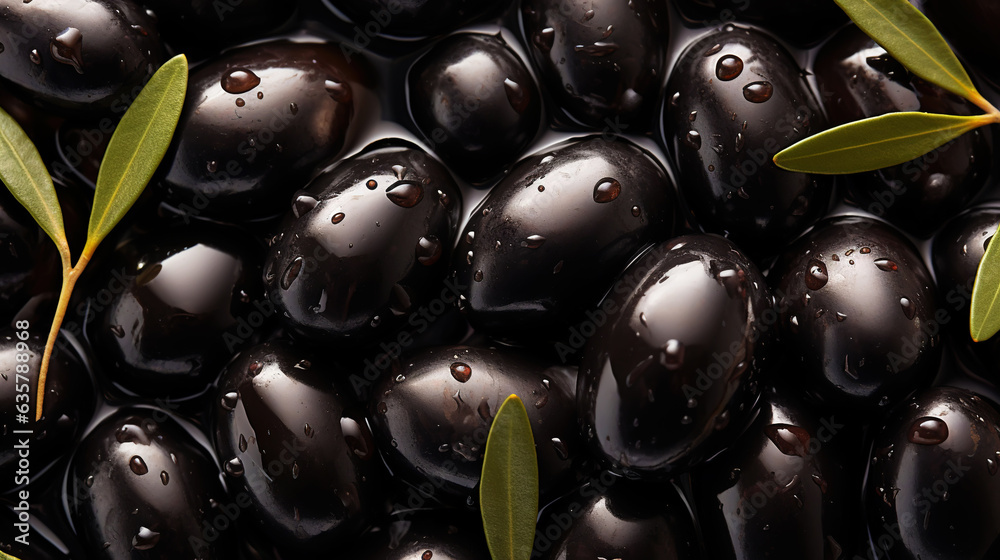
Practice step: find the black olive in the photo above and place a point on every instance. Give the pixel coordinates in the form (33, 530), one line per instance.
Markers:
(78, 57)
(614, 518)
(859, 80)
(735, 99)
(424, 535)
(201, 25)
(670, 377)
(802, 22)
(781, 491)
(171, 307)
(475, 103)
(69, 394)
(859, 314)
(364, 244)
(432, 419)
(956, 253)
(294, 449)
(257, 122)
(602, 61)
(549, 239)
(969, 25)
(139, 482)
(932, 489)
(409, 18)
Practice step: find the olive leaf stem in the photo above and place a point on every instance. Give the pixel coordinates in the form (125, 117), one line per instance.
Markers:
(69, 277)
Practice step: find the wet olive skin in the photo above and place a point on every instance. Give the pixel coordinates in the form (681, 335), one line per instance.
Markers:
(956, 253)
(619, 519)
(293, 443)
(671, 378)
(174, 305)
(600, 61)
(119, 50)
(853, 339)
(969, 25)
(781, 491)
(723, 143)
(198, 25)
(860, 80)
(801, 22)
(238, 154)
(354, 263)
(69, 395)
(119, 502)
(447, 534)
(540, 247)
(431, 426)
(475, 102)
(410, 18)
(912, 469)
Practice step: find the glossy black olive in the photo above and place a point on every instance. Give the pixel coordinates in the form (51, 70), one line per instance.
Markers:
(670, 378)
(859, 80)
(139, 482)
(364, 244)
(257, 122)
(859, 314)
(199, 25)
(69, 394)
(802, 22)
(550, 238)
(602, 61)
(425, 534)
(41, 545)
(932, 489)
(735, 99)
(956, 253)
(295, 449)
(969, 25)
(172, 306)
(431, 420)
(615, 518)
(409, 18)
(781, 491)
(27, 255)
(78, 57)
(475, 103)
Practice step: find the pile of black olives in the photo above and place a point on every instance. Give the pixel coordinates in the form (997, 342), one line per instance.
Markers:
(379, 218)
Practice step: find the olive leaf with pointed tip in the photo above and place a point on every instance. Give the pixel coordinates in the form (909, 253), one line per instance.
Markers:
(880, 142)
(136, 148)
(508, 488)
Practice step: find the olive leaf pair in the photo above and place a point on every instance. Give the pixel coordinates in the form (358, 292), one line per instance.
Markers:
(133, 154)
(897, 138)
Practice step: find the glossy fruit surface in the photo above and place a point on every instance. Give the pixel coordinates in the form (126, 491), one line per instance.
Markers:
(365, 243)
(475, 102)
(557, 230)
(601, 61)
(932, 488)
(410, 18)
(83, 57)
(177, 304)
(859, 80)
(735, 99)
(781, 491)
(438, 535)
(140, 485)
(671, 378)
(614, 518)
(859, 315)
(432, 419)
(295, 449)
(257, 122)
(802, 22)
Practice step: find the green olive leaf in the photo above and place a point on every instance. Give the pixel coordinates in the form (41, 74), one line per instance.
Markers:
(137, 147)
(24, 173)
(508, 489)
(984, 321)
(912, 39)
(875, 143)
(5, 556)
